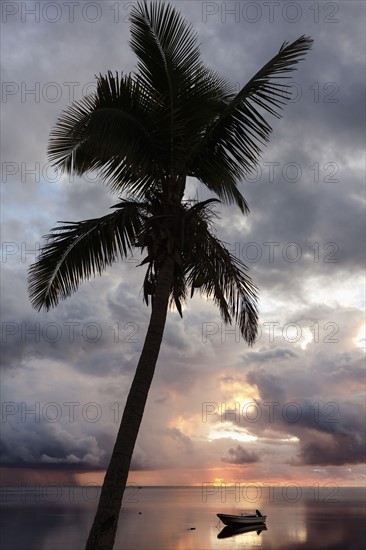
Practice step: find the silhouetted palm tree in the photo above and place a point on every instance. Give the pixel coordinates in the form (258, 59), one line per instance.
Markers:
(145, 133)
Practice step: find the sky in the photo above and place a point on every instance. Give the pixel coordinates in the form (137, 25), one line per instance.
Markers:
(288, 410)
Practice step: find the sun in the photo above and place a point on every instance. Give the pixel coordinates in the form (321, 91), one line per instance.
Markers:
(218, 480)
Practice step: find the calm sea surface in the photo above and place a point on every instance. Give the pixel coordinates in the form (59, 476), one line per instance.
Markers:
(184, 518)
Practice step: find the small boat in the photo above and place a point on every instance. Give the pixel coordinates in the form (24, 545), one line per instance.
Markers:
(230, 519)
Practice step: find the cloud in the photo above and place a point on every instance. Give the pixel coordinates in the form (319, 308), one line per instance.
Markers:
(261, 356)
(239, 455)
(336, 437)
(330, 427)
(332, 449)
(49, 446)
(184, 441)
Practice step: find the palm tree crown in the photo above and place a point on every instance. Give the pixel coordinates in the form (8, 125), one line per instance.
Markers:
(145, 133)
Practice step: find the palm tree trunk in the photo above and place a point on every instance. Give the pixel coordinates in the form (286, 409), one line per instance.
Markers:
(103, 531)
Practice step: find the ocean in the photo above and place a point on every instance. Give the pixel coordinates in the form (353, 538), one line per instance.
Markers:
(55, 517)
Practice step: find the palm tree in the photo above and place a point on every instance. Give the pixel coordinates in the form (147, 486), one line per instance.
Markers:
(145, 133)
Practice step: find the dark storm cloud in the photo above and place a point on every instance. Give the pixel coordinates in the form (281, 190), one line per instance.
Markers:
(323, 376)
(79, 332)
(79, 342)
(331, 431)
(297, 232)
(336, 439)
(239, 455)
(335, 450)
(41, 445)
(59, 66)
(270, 385)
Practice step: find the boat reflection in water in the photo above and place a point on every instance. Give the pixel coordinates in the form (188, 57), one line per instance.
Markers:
(237, 529)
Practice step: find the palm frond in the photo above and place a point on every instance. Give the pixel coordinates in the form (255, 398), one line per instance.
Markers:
(169, 65)
(232, 144)
(228, 192)
(165, 45)
(112, 131)
(201, 262)
(78, 250)
(224, 277)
